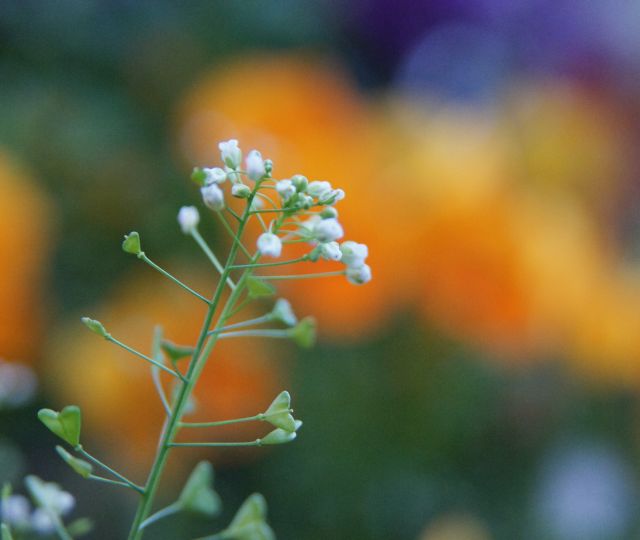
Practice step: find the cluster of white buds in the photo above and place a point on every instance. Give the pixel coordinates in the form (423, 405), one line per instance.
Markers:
(308, 206)
(51, 502)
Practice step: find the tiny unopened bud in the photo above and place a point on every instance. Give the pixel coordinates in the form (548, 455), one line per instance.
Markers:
(188, 218)
(283, 312)
(330, 251)
(305, 201)
(329, 212)
(213, 197)
(300, 182)
(332, 196)
(328, 230)
(268, 166)
(359, 275)
(230, 153)
(285, 189)
(319, 189)
(95, 326)
(269, 245)
(214, 175)
(304, 333)
(131, 243)
(353, 253)
(15, 510)
(241, 191)
(255, 165)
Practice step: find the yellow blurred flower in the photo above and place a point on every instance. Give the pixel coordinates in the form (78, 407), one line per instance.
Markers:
(114, 389)
(25, 239)
(456, 528)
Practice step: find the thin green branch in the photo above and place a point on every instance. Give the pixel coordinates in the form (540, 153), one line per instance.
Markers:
(264, 265)
(306, 276)
(106, 467)
(230, 230)
(155, 372)
(109, 481)
(144, 357)
(214, 444)
(250, 322)
(211, 255)
(257, 333)
(153, 265)
(166, 511)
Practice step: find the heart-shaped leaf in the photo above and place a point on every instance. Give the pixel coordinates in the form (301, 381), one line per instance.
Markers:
(198, 495)
(304, 333)
(258, 288)
(65, 424)
(131, 243)
(82, 467)
(176, 352)
(280, 436)
(279, 412)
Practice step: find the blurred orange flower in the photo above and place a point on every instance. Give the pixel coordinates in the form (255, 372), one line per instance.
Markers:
(25, 242)
(114, 389)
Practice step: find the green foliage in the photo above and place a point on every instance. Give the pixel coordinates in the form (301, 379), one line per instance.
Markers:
(65, 424)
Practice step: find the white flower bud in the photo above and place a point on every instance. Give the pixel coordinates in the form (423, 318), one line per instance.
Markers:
(283, 312)
(255, 165)
(230, 153)
(270, 245)
(213, 197)
(330, 251)
(285, 189)
(305, 201)
(300, 182)
(214, 175)
(232, 175)
(41, 521)
(359, 275)
(15, 510)
(332, 197)
(319, 189)
(241, 191)
(329, 212)
(188, 218)
(328, 230)
(354, 254)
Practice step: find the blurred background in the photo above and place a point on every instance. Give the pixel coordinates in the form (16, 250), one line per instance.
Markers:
(485, 384)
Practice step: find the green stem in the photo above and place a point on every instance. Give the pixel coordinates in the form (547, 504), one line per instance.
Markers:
(257, 333)
(306, 276)
(264, 265)
(210, 255)
(213, 444)
(156, 351)
(232, 233)
(167, 511)
(250, 322)
(202, 351)
(109, 481)
(221, 422)
(153, 265)
(143, 356)
(106, 467)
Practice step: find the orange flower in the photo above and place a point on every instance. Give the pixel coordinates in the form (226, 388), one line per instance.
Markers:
(25, 234)
(114, 389)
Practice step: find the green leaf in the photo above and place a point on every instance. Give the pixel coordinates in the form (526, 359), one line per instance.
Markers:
(95, 326)
(6, 533)
(249, 523)
(280, 436)
(279, 412)
(131, 243)
(80, 527)
(198, 495)
(304, 333)
(258, 288)
(65, 424)
(6, 491)
(82, 467)
(176, 352)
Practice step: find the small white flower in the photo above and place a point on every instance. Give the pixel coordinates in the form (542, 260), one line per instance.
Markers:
(328, 230)
(15, 510)
(188, 218)
(335, 196)
(285, 189)
(283, 312)
(232, 175)
(319, 189)
(270, 245)
(353, 253)
(329, 212)
(230, 153)
(305, 201)
(53, 497)
(359, 275)
(255, 165)
(241, 191)
(213, 197)
(214, 175)
(300, 182)
(42, 522)
(330, 251)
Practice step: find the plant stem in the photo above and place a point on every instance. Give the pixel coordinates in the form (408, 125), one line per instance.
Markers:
(268, 333)
(279, 263)
(109, 481)
(143, 356)
(213, 444)
(166, 511)
(210, 255)
(106, 467)
(153, 265)
(306, 276)
(202, 350)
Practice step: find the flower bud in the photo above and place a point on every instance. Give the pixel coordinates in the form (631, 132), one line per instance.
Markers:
(50, 496)
(198, 176)
(279, 413)
(353, 253)
(285, 189)
(241, 191)
(214, 175)
(268, 167)
(282, 312)
(328, 230)
(198, 495)
(189, 217)
(15, 510)
(82, 467)
(319, 189)
(230, 153)
(269, 245)
(255, 165)
(131, 243)
(330, 251)
(305, 201)
(213, 197)
(300, 182)
(304, 333)
(278, 436)
(359, 275)
(95, 326)
(332, 197)
(329, 212)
